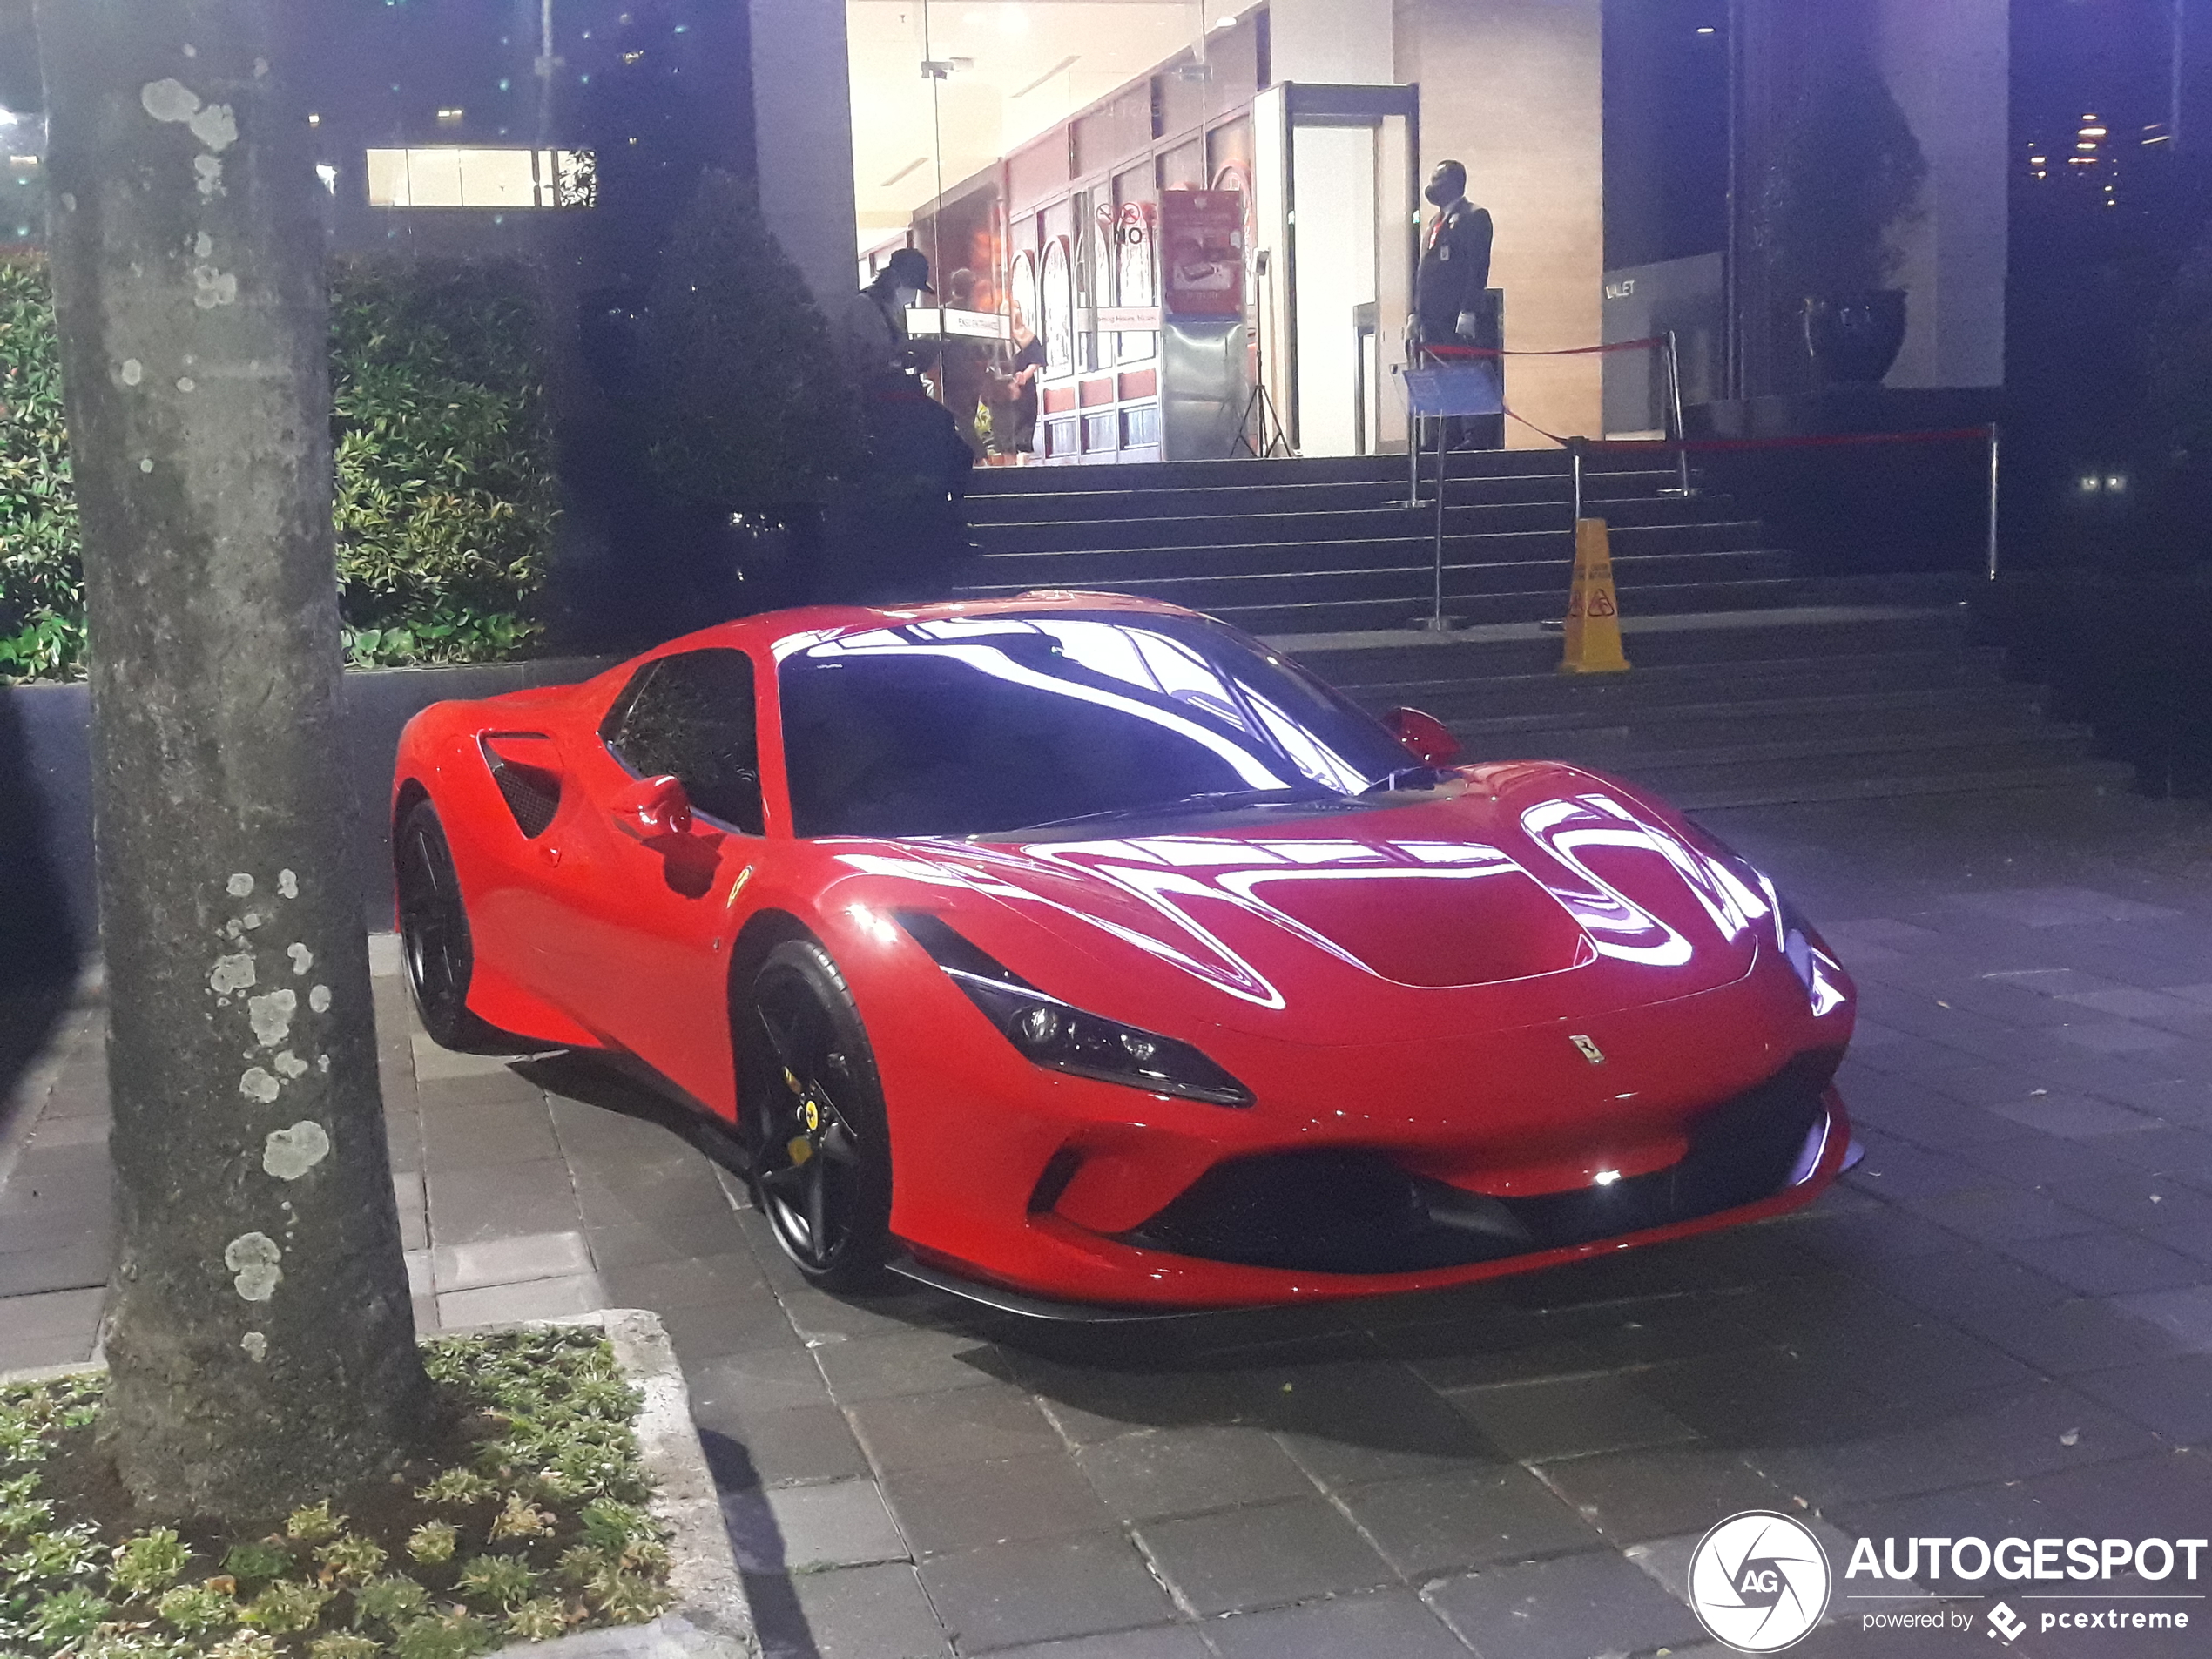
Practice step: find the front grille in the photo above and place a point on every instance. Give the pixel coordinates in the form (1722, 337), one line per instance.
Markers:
(1358, 1212)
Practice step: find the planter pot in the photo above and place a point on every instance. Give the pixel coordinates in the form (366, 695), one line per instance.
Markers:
(1854, 337)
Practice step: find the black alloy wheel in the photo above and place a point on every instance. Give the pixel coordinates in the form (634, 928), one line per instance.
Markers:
(820, 1143)
(433, 937)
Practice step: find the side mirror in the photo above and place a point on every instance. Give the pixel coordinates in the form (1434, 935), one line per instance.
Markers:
(654, 807)
(1427, 739)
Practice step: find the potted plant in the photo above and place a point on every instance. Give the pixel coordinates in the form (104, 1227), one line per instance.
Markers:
(1846, 175)
(746, 419)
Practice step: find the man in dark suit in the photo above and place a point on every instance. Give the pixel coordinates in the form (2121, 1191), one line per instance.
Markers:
(1450, 302)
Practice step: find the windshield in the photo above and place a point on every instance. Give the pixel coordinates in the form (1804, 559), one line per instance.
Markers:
(974, 725)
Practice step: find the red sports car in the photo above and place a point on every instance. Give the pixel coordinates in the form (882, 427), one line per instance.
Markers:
(1080, 949)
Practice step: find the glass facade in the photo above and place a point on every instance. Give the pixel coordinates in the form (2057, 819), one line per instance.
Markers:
(1029, 147)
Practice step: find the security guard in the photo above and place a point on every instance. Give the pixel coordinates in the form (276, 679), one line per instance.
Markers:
(1450, 304)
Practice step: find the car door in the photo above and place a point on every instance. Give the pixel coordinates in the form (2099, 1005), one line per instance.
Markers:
(653, 905)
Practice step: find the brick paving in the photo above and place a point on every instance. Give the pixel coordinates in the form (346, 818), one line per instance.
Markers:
(2000, 1324)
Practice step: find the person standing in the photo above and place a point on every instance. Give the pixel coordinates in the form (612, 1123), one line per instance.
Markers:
(963, 373)
(871, 330)
(1452, 305)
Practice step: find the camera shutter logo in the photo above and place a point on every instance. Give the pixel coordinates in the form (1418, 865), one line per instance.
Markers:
(1759, 1581)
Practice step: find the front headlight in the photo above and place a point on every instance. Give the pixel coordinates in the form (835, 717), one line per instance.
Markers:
(1800, 943)
(1816, 967)
(1052, 1034)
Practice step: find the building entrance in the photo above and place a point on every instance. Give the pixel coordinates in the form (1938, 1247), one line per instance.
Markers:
(1133, 224)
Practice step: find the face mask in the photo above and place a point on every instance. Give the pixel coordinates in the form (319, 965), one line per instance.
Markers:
(906, 297)
(1442, 195)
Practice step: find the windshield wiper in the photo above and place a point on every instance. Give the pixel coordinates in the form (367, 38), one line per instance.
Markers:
(1205, 801)
(1405, 777)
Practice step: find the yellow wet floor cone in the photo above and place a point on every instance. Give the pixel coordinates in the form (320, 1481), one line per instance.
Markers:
(1592, 613)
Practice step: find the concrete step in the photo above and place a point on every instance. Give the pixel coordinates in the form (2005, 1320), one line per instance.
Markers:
(1794, 635)
(1399, 570)
(1989, 710)
(1834, 764)
(2097, 776)
(1290, 533)
(1852, 746)
(1268, 616)
(1603, 492)
(1652, 690)
(1248, 473)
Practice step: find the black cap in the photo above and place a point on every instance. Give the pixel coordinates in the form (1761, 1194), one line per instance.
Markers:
(909, 268)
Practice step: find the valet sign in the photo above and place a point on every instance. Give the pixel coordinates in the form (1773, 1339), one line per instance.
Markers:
(1761, 1582)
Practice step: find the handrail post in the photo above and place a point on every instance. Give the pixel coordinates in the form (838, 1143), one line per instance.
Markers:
(1993, 474)
(1674, 408)
(1574, 455)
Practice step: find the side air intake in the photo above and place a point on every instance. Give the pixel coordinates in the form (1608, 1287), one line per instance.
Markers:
(524, 765)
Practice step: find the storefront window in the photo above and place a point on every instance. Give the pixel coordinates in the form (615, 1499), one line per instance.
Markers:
(1027, 143)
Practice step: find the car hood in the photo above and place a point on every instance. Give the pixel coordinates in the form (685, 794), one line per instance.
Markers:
(1514, 895)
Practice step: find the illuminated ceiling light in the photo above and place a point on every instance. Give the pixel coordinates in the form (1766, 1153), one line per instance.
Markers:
(451, 117)
(314, 120)
(1705, 29)
(1224, 22)
(2094, 132)
(1059, 68)
(2037, 161)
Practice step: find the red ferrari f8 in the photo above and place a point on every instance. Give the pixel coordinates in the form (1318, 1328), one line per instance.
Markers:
(1080, 949)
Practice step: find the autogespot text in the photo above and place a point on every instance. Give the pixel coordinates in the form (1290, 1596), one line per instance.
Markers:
(2026, 1559)
(1926, 1561)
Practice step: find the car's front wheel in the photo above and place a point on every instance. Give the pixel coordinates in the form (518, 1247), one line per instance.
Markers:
(821, 1142)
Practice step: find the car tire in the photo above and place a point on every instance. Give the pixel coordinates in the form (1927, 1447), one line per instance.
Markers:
(434, 949)
(810, 1082)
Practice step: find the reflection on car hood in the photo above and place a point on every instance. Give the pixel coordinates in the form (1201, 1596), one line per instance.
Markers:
(1530, 893)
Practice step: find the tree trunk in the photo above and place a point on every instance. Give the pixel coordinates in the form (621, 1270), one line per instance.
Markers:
(260, 1337)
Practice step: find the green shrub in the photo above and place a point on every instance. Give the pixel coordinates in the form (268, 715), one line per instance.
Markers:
(41, 584)
(446, 498)
(747, 405)
(445, 493)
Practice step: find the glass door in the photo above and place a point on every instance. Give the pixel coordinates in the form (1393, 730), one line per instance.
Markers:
(1336, 198)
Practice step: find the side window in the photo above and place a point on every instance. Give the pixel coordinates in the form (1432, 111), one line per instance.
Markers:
(692, 716)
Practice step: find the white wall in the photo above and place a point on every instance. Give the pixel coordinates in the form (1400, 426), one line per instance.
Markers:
(1516, 90)
(1949, 65)
(1345, 41)
(803, 128)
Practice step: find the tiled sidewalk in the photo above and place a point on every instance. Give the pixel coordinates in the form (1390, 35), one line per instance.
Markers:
(2001, 1324)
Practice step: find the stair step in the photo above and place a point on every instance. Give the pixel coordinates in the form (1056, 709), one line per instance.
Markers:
(1259, 522)
(1855, 747)
(1716, 684)
(1830, 763)
(1472, 534)
(1608, 493)
(1236, 573)
(1247, 472)
(1988, 709)
(2096, 776)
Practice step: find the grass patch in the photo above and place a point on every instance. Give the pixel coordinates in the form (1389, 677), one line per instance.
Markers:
(528, 1521)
